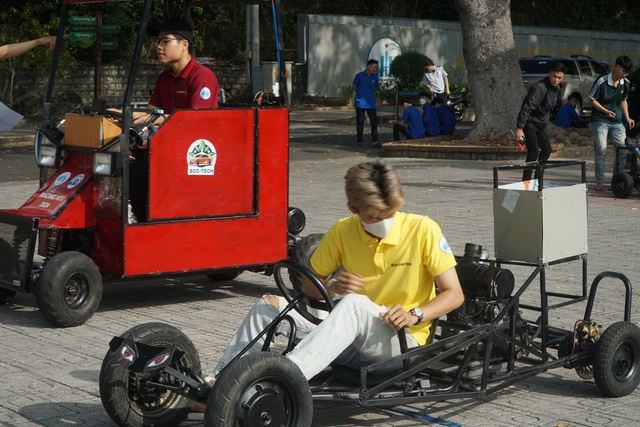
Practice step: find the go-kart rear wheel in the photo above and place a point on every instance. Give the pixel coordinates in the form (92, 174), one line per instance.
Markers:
(616, 361)
(69, 290)
(125, 395)
(260, 389)
(305, 248)
(622, 185)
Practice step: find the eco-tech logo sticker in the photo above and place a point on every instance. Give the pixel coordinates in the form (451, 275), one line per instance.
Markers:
(201, 158)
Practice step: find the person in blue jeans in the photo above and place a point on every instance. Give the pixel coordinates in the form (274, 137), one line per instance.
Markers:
(609, 114)
(446, 116)
(411, 116)
(429, 115)
(567, 117)
(364, 85)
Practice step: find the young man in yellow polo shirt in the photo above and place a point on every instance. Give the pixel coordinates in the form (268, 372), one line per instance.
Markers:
(393, 263)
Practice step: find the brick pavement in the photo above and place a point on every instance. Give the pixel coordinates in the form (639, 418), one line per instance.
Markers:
(49, 376)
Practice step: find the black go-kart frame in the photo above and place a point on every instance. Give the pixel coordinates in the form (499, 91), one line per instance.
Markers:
(151, 374)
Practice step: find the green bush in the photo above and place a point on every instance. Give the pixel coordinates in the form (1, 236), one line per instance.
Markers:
(407, 69)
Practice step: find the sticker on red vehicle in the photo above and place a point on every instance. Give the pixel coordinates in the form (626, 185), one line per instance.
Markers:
(201, 158)
(62, 178)
(75, 180)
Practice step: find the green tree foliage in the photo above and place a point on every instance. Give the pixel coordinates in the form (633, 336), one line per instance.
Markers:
(407, 68)
(220, 30)
(601, 15)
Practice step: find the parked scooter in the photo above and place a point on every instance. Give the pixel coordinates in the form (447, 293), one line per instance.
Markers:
(458, 103)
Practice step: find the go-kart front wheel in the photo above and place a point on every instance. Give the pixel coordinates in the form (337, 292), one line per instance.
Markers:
(128, 398)
(616, 362)
(622, 185)
(260, 389)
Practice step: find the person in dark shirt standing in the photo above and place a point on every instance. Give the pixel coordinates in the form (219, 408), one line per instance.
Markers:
(609, 115)
(429, 115)
(534, 116)
(446, 116)
(411, 116)
(364, 85)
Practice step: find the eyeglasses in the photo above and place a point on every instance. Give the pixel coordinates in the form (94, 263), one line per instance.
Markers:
(163, 41)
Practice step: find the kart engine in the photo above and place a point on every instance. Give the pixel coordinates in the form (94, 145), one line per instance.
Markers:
(486, 290)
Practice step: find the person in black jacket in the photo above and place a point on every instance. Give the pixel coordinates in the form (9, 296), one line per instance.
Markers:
(534, 115)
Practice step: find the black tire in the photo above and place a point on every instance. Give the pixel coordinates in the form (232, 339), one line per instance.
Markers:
(69, 290)
(305, 248)
(458, 111)
(302, 252)
(616, 361)
(125, 398)
(258, 389)
(227, 275)
(622, 185)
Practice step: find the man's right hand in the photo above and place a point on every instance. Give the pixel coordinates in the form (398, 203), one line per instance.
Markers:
(345, 283)
(519, 135)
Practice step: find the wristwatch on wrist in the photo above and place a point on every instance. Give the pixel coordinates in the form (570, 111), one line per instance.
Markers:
(418, 313)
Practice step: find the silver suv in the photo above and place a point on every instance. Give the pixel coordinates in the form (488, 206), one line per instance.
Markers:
(582, 72)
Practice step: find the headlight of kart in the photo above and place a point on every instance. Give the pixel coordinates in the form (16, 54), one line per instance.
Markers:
(105, 163)
(48, 153)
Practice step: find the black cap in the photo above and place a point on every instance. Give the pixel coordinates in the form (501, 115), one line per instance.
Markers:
(175, 26)
(427, 63)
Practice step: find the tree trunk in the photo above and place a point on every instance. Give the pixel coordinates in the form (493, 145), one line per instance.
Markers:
(492, 64)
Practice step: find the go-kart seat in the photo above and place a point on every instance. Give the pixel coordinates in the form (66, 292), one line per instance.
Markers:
(353, 375)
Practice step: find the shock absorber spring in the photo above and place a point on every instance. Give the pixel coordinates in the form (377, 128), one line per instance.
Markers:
(52, 243)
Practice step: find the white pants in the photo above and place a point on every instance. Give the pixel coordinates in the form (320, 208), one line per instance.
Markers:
(352, 334)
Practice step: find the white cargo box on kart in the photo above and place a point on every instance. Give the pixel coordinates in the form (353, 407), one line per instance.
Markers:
(540, 226)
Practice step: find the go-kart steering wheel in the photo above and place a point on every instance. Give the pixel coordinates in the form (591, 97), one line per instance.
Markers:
(297, 275)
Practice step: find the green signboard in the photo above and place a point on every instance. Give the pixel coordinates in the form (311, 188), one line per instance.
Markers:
(109, 45)
(82, 20)
(83, 36)
(110, 29)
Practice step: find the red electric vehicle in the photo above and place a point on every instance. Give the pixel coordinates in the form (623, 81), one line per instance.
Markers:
(209, 189)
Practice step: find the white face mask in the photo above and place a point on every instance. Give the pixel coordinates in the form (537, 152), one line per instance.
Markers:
(423, 101)
(379, 229)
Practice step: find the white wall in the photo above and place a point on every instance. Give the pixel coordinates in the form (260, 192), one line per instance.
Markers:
(335, 48)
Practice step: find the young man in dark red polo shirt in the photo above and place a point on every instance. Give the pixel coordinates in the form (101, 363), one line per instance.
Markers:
(185, 84)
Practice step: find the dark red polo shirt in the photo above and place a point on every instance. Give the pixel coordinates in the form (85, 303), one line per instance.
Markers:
(195, 87)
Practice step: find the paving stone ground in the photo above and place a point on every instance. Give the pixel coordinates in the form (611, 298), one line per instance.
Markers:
(49, 377)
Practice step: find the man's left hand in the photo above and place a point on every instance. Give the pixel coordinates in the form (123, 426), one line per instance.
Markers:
(398, 317)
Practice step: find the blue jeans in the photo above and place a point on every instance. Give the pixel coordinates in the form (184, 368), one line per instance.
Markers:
(601, 131)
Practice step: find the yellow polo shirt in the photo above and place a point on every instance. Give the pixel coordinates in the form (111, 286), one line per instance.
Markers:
(400, 269)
